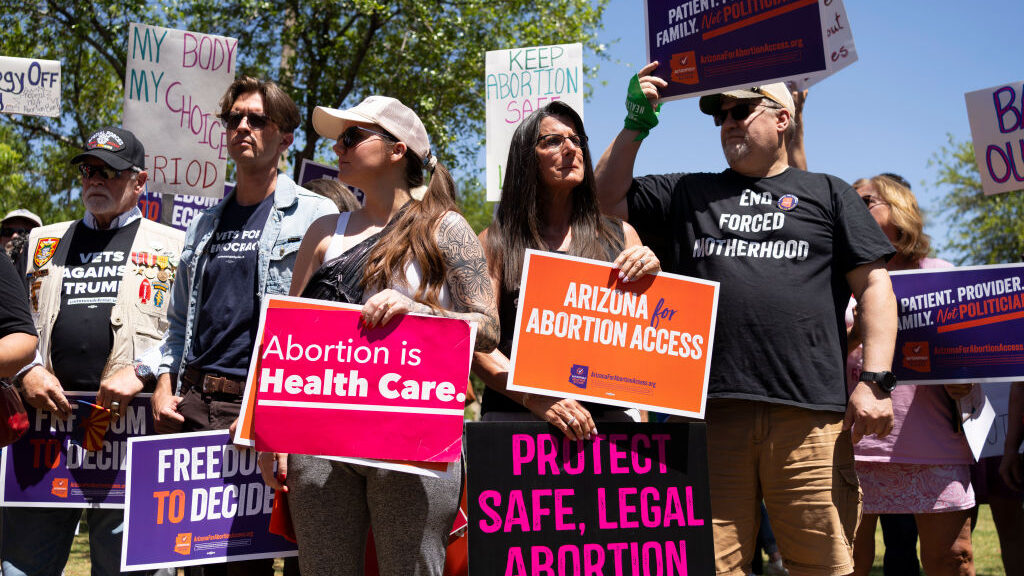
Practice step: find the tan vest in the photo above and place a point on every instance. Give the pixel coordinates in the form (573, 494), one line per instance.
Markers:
(139, 318)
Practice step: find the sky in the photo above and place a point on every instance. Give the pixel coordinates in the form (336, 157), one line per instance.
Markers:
(888, 112)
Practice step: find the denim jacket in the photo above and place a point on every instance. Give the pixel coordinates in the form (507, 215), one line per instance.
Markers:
(294, 210)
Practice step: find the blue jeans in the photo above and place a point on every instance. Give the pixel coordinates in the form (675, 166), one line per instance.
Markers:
(37, 541)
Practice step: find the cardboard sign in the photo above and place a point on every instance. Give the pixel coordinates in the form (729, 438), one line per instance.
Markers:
(518, 82)
(705, 47)
(997, 129)
(839, 45)
(50, 467)
(173, 82)
(960, 324)
(29, 86)
(196, 499)
(581, 333)
(325, 385)
(635, 500)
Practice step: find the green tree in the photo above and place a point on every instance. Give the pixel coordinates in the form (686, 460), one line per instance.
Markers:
(983, 229)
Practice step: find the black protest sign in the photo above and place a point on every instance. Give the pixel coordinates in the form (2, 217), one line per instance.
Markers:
(633, 501)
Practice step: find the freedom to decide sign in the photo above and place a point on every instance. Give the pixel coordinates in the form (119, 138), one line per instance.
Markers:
(173, 82)
(581, 333)
(997, 129)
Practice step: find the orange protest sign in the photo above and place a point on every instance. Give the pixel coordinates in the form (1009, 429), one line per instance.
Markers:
(583, 334)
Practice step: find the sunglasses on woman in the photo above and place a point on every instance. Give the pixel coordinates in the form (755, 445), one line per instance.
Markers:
(105, 172)
(256, 121)
(739, 112)
(552, 141)
(355, 134)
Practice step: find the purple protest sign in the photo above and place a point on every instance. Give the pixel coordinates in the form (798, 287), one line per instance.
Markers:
(186, 207)
(960, 324)
(49, 467)
(709, 46)
(310, 171)
(196, 499)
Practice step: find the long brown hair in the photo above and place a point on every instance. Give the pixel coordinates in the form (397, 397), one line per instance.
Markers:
(411, 236)
(519, 218)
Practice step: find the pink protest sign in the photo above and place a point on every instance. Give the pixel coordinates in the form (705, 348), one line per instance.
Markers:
(325, 385)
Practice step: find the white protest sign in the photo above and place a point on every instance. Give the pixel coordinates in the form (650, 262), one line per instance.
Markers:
(998, 394)
(997, 128)
(173, 82)
(29, 86)
(839, 47)
(519, 81)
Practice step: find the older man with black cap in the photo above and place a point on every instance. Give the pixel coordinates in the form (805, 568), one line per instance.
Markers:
(788, 247)
(98, 297)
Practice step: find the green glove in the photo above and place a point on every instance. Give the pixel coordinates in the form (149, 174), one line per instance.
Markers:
(640, 115)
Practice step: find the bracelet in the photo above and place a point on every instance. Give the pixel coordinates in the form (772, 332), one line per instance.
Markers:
(640, 115)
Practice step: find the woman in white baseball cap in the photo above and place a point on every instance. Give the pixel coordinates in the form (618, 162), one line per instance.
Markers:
(406, 250)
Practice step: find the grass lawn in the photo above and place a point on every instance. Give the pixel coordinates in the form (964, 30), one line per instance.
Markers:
(987, 560)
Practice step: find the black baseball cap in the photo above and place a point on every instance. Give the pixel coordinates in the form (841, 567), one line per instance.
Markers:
(118, 147)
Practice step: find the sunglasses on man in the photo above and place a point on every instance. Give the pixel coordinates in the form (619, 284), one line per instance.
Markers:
(256, 121)
(355, 134)
(105, 172)
(739, 112)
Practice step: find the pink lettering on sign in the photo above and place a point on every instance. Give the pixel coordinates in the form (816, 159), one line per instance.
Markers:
(211, 53)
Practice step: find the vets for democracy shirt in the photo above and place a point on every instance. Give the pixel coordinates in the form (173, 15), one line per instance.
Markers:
(82, 337)
(228, 315)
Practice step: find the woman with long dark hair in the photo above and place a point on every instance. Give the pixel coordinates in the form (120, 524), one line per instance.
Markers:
(406, 250)
(548, 203)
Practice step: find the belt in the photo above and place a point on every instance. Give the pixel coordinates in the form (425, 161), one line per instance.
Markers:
(209, 383)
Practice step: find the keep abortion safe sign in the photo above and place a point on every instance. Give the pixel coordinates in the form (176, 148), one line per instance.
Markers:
(173, 82)
(997, 129)
(518, 82)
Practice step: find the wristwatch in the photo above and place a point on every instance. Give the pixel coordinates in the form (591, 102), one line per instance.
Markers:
(145, 373)
(886, 380)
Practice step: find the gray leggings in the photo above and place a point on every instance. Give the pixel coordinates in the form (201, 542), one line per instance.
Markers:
(334, 503)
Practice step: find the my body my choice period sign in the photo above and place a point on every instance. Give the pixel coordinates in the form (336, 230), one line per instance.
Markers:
(581, 333)
(634, 500)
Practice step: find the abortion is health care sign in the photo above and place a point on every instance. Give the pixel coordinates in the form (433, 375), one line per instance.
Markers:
(196, 499)
(709, 46)
(519, 81)
(50, 467)
(634, 500)
(997, 129)
(29, 86)
(582, 333)
(326, 385)
(960, 324)
(173, 82)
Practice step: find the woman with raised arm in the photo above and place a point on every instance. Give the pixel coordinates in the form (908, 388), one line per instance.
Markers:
(406, 250)
(548, 203)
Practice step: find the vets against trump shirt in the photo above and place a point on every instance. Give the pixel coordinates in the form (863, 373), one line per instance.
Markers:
(780, 247)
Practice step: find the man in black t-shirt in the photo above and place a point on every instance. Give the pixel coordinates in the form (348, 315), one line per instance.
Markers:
(788, 248)
(17, 333)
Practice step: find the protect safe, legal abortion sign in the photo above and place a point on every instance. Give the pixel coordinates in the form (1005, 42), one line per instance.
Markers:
(581, 333)
(326, 385)
(52, 467)
(634, 500)
(196, 499)
(997, 129)
(960, 324)
(173, 82)
(29, 86)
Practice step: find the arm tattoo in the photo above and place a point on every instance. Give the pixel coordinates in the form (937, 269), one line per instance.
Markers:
(467, 278)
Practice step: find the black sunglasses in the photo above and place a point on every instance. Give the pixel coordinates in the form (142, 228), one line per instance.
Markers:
(13, 231)
(256, 121)
(551, 141)
(105, 172)
(355, 134)
(739, 112)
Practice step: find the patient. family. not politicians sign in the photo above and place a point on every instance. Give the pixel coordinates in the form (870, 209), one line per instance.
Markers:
(173, 82)
(584, 334)
(324, 384)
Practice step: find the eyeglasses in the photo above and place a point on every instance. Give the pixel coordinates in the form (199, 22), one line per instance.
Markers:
(105, 172)
(14, 231)
(552, 141)
(355, 134)
(872, 201)
(739, 112)
(256, 121)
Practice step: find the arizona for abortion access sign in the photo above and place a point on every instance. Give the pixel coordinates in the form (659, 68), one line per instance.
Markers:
(710, 46)
(326, 385)
(29, 86)
(196, 499)
(960, 324)
(634, 500)
(581, 333)
(519, 81)
(173, 82)
(997, 129)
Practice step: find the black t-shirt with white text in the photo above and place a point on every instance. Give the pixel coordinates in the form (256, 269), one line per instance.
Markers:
(82, 338)
(228, 314)
(14, 313)
(780, 247)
